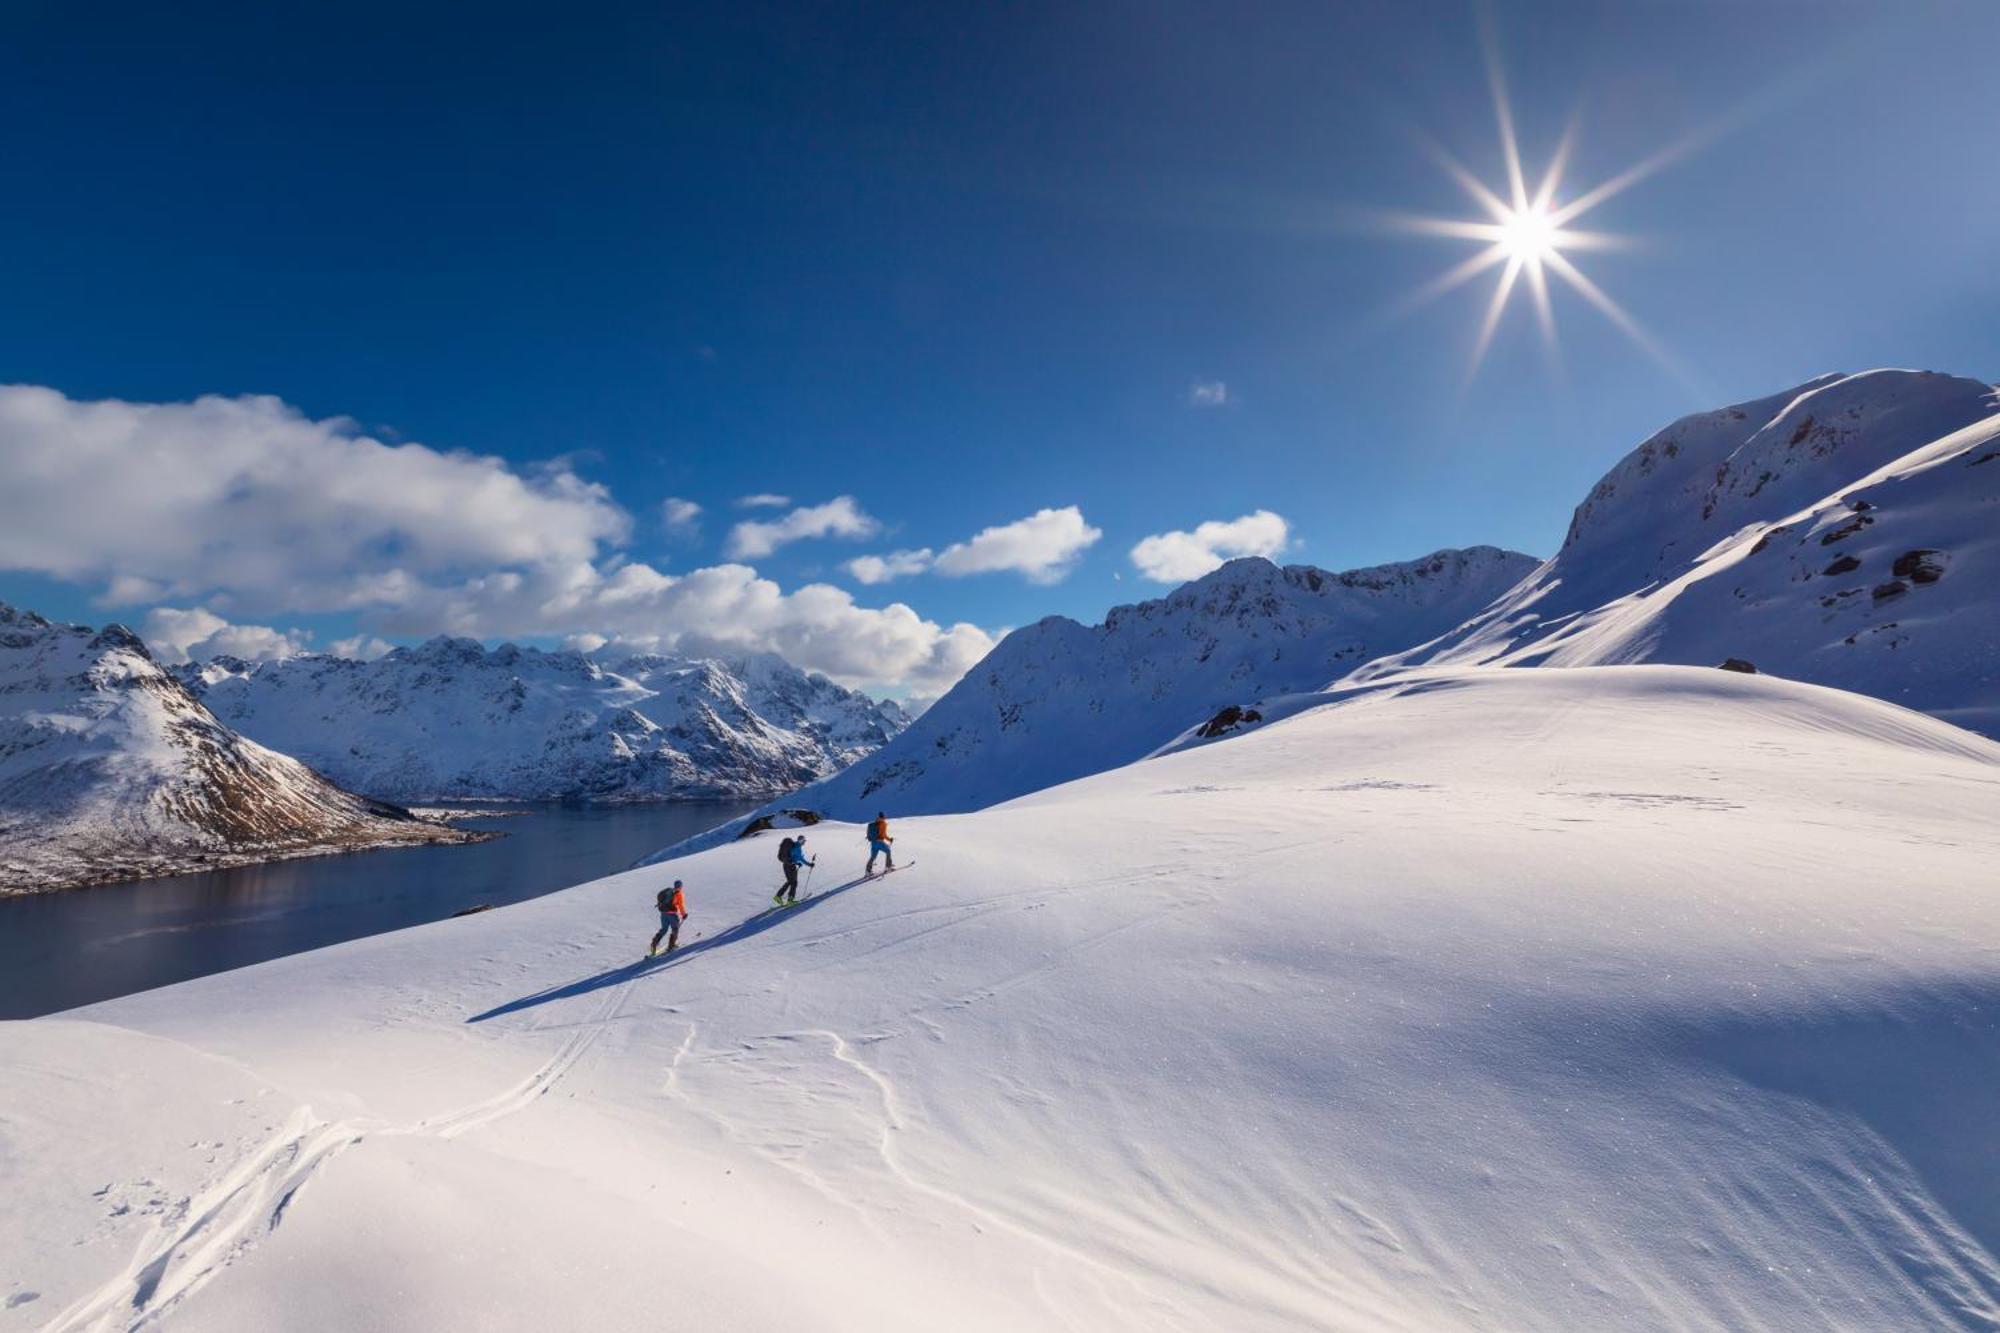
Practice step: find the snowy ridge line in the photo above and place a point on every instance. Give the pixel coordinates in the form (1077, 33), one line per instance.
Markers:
(1058, 700)
(249, 1202)
(451, 720)
(1838, 534)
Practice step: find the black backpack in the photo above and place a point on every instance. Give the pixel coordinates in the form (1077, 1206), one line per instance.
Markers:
(785, 851)
(664, 899)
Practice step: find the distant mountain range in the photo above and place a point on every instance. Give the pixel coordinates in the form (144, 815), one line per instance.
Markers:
(1059, 700)
(111, 769)
(452, 720)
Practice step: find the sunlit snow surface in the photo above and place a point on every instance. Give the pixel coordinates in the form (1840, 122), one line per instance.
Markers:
(1641, 997)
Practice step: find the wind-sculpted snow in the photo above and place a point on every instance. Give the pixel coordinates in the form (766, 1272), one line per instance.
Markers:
(1058, 700)
(110, 769)
(1846, 533)
(451, 720)
(1611, 998)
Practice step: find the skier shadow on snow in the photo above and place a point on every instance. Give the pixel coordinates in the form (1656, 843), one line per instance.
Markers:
(745, 929)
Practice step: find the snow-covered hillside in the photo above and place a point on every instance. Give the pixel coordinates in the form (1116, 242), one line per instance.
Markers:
(452, 720)
(1058, 700)
(110, 769)
(1616, 998)
(1846, 532)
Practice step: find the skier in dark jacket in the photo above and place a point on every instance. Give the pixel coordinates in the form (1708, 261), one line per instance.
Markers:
(673, 905)
(791, 855)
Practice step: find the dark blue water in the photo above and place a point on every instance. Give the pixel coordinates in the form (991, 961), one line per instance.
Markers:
(60, 950)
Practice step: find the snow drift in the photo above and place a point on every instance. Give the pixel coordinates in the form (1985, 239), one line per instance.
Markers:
(1633, 997)
(110, 769)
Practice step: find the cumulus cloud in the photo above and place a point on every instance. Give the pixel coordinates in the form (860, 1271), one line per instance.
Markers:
(169, 500)
(195, 635)
(872, 569)
(1176, 557)
(362, 648)
(681, 518)
(1043, 546)
(1208, 393)
(721, 610)
(838, 517)
(251, 507)
(762, 500)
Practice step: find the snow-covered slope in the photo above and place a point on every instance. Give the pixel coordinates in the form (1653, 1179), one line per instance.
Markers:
(1058, 700)
(1615, 998)
(1846, 532)
(110, 769)
(451, 720)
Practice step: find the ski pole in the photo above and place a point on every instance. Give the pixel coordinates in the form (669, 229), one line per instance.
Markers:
(810, 867)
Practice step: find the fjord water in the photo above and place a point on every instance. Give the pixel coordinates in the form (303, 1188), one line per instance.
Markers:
(60, 950)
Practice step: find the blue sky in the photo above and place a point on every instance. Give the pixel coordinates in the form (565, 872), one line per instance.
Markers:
(962, 265)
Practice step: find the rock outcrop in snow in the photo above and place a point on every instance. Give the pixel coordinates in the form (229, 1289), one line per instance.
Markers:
(1846, 532)
(1059, 700)
(452, 720)
(110, 769)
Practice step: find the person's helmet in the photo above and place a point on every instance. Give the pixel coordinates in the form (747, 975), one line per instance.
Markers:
(677, 884)
(880, 815)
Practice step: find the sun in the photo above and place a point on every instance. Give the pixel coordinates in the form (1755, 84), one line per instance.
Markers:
(1527, 234)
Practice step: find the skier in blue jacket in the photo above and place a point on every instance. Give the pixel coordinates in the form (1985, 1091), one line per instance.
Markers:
(791, 855)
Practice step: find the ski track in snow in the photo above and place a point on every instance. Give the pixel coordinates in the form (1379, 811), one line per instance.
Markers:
(250, 1200)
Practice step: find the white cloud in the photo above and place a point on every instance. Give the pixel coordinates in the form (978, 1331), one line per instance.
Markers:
(1208, 393)
(195, 634)
(247, 495)
(253, 508)
(721, 609)
(680, 517)
(838, 517)
(762, 500)
(872, 569)
(362, 647)
(1042, 546)
(1176, 557)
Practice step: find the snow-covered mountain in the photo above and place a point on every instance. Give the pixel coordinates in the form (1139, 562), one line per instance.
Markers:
(1845, 532)
(452, 720)
(111, 769)
(1618, 998)
(1058, 699)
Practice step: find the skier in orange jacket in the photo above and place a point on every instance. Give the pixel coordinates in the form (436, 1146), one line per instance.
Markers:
(673, 905)
(878, 842)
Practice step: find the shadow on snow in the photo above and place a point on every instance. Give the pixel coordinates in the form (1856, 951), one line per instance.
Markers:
(736, 934)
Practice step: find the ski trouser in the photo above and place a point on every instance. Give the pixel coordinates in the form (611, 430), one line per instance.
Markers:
(670, 926)
(791, 889)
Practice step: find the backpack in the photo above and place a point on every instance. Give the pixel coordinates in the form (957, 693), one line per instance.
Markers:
(785, 851)
(664, 900)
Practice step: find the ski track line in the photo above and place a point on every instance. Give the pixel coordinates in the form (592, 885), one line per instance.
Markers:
(893, 1122)
(250, 1200)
